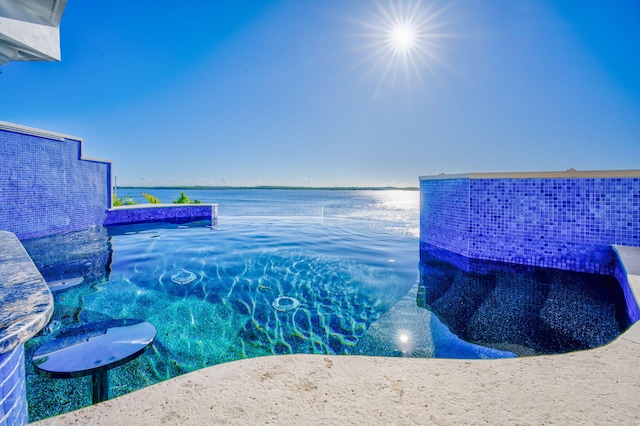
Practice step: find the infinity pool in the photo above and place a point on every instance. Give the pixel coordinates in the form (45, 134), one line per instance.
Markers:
(252, 286)
(247, 288)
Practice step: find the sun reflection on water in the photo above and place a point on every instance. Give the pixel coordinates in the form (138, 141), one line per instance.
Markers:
(405, 343)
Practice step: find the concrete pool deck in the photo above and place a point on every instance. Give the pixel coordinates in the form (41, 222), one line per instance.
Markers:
(598, 386)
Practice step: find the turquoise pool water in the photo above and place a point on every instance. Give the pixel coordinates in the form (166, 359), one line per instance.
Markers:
(247, 288)
(340, 276)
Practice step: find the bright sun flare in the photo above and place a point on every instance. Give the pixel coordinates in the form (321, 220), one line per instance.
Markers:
(402, 38)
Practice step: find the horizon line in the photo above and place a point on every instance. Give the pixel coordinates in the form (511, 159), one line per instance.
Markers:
(229, 187)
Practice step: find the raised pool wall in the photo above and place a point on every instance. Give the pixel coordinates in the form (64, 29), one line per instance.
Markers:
(564, 220)
(46, 185)
(174, 213)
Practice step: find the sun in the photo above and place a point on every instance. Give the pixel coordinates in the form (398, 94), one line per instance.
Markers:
(402, 39)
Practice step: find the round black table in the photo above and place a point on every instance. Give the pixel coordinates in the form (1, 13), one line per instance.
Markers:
(94, 349)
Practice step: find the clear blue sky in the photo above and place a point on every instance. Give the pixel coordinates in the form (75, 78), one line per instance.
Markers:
(297, 92)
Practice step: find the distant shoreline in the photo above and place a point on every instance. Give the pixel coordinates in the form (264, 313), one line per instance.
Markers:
(295, 188)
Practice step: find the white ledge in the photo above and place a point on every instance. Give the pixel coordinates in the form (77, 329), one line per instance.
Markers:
(540, 175)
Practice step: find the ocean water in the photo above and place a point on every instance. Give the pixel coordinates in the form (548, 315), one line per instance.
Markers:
(394, 208)
(283, 271)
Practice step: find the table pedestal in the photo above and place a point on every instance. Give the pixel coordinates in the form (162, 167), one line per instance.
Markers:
(94, 349)
(99, 386)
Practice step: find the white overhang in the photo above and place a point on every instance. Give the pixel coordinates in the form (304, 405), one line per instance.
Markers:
(29, 30)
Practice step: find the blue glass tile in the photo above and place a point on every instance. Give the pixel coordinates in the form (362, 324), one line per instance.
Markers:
(13, 400)
(45, 188)
(564, 223)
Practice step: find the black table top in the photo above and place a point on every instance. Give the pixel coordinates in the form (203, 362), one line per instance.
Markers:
(91, 347)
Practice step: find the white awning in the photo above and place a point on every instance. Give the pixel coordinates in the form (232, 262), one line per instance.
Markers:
(29, 30)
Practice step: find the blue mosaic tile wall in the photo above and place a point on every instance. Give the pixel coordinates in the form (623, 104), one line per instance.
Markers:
(172, 214)
(13, 396)
(563, 223)
(45, 188)
(444, 212)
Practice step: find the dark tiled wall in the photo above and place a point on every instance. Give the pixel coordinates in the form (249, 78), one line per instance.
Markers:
(564, 223)
(45, 188)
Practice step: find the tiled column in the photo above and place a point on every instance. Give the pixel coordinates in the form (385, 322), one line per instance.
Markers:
(13, 397)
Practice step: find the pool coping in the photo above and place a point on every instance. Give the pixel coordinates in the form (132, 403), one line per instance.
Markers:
(595, 386)
(570, 173)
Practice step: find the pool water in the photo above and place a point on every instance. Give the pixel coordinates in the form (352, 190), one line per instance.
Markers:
(248, 287)
(251, 286)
